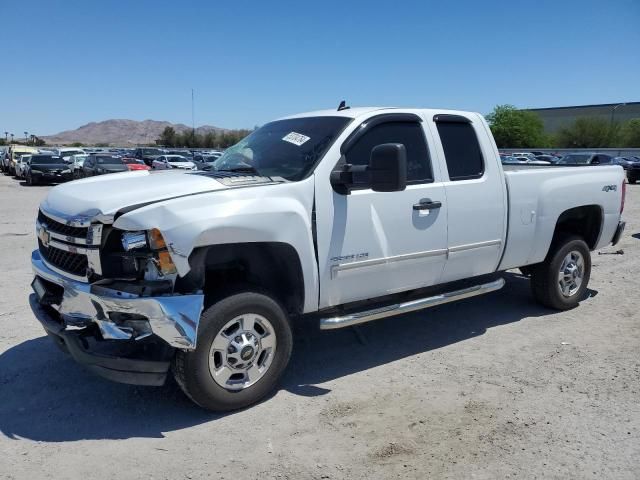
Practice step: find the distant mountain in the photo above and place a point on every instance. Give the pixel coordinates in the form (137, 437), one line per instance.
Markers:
(121, 132)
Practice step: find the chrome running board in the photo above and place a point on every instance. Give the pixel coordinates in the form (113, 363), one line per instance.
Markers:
(411, 306)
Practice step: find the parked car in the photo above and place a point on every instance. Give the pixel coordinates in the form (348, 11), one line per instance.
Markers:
(15, 152)
(135, 164)
(340, 216)
(75, 164)
(101, 163)
(165, 162)
(624, 162)
(22, 166)
(205, 162)
(585, 159)
(548, 158)
(47, 169)
(148, 155)
(529, 160)
(184, 153)
(528, 155)
(633, 172)
(67, 153)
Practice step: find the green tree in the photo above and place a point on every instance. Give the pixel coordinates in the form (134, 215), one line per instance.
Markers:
(209, 140)
(77, 144)
(168, 137)
(630, 133)
(513, 128)
(587, 132)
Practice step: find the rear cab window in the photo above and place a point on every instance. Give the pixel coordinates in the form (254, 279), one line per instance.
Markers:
(461, 147)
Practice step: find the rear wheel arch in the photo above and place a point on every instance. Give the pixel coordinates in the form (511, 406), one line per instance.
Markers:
(585, 221)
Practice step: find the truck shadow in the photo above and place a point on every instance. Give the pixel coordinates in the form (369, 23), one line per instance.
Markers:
(45, 396)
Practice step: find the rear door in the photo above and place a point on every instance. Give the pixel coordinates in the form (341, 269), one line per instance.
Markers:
(383, 243)
(476, 195)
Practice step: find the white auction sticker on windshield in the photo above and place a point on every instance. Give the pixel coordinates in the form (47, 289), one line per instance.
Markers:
(296, 138)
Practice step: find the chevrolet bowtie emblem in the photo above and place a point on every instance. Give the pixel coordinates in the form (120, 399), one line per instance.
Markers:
(43, 235)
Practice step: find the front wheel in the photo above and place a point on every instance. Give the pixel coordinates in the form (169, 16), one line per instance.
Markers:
(243, 347)
(561, 280)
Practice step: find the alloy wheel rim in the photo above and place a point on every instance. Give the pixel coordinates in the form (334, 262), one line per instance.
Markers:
(571, 274)
(242, 351)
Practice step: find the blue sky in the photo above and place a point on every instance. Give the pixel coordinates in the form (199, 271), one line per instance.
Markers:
(72, 62)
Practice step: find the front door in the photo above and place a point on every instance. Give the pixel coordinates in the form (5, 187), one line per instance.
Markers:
(383, 243)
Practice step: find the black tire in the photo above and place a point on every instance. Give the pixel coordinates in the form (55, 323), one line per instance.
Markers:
(191, 369)
(631, 179)
(30, 181)
(544, 276)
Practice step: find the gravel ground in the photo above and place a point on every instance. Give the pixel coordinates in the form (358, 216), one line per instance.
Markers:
(491, 387)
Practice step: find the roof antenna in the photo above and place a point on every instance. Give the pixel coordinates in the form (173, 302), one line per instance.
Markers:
(343, 106)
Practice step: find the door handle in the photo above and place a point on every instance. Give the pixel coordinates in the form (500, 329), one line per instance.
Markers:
(427, 204)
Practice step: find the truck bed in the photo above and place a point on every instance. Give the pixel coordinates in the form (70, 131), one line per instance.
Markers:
(539, 194)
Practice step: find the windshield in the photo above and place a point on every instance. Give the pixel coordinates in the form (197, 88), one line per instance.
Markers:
(109, 160)
(45, 159)
(575, 159)
(18, 154)
(284, 148)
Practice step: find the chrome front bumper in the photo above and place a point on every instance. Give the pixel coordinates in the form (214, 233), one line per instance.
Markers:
(173, 318)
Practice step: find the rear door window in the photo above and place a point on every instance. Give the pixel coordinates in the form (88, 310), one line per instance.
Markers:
(461, 150)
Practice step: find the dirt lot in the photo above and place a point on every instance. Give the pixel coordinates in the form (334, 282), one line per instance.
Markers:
(492, 387)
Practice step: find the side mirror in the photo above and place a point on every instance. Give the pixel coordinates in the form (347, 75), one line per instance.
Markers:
(388, 167)
(386, 172)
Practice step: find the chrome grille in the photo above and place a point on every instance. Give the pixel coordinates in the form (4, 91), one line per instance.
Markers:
(73, 263)
(71, 247)
(61, 228)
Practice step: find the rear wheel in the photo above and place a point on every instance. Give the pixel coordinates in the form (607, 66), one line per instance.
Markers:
(244, 344)
(561, 280)
(631, 178)
(30, 181)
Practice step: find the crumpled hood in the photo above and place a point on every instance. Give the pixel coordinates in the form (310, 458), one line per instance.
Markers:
(106, 194)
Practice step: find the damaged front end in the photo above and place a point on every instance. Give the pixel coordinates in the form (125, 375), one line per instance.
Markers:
(109, 298)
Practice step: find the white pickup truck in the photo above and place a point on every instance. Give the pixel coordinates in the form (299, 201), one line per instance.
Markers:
(349, 215)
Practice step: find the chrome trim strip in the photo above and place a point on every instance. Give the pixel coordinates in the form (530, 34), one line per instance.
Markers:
(331, 323)
(71, 248)
(72, 221)
(471, 246)
(335, 269)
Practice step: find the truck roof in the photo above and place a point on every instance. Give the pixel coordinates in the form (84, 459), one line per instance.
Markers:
(359, 111)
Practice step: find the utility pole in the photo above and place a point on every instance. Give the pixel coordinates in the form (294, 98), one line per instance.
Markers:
(193, 119)
(613, 111)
